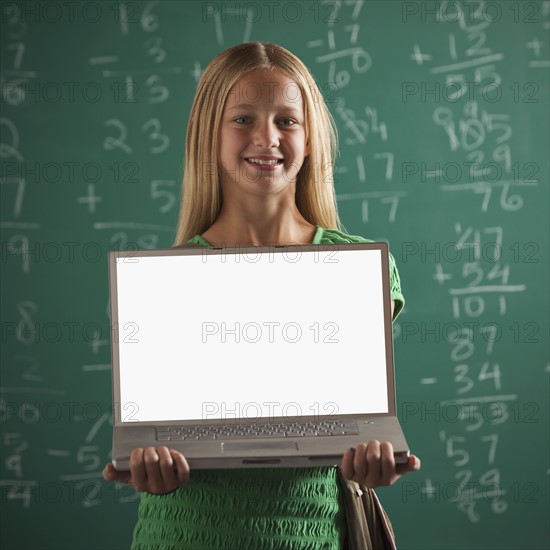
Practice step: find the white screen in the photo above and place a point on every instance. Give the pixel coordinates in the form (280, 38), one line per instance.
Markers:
(226, 336)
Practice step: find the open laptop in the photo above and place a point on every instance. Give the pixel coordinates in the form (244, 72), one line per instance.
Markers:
(273, 356)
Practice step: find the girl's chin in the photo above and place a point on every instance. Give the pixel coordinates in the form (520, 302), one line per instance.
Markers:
(263, 187)
(279, 176)
(252, 180)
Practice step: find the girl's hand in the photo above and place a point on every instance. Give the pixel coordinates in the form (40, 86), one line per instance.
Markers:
(156, 470)
(373, 465)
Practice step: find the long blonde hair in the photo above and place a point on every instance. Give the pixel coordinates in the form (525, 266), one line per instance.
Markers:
(201, 191)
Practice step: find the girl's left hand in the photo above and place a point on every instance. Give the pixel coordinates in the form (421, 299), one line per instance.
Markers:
(373, 465)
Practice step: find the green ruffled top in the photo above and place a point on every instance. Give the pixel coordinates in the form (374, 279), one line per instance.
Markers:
(255, 508)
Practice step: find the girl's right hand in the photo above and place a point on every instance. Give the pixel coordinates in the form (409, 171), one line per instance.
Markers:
(156, 470)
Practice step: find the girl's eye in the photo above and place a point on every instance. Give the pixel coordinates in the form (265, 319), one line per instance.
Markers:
(284, 121)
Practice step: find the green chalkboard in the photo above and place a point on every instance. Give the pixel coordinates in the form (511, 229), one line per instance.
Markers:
(443, 117)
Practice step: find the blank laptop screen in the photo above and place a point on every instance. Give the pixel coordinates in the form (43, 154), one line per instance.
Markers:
(249, 335)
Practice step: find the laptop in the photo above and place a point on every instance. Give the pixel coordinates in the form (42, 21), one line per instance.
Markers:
(271, 356)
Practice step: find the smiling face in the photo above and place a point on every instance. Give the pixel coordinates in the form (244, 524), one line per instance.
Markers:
(262, 140)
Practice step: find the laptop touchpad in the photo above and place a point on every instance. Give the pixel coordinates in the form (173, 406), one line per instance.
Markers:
(228, 446)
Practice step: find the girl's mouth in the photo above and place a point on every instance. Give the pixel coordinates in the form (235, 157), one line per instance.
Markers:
(268, 165)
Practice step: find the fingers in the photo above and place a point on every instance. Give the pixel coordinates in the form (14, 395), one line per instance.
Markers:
(373, 464)
(166, 468)
(137, 467)
(374, 477)
(158, 470)
(366, 464)
(388, 474)
(154, 482)
(361, 465)
(111, 474)
(182, 468)
(347, 463)
(412, 465)
(174, 469)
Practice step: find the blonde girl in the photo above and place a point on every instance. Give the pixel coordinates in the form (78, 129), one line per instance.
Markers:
(259, 159)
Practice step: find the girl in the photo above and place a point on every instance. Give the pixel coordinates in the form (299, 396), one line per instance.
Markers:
(258, 171)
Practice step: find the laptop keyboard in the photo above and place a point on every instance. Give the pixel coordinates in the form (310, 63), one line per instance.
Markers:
(236, 431)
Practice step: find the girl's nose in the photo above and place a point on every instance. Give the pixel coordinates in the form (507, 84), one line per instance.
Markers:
(266, 134)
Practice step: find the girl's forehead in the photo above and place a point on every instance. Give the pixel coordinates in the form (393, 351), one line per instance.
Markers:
(267, 87)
